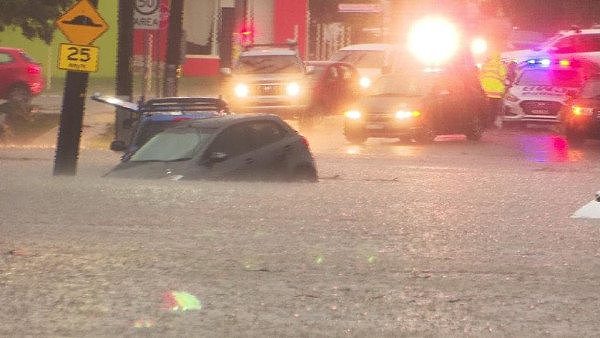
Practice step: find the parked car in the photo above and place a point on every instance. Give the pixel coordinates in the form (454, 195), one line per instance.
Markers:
(370, 59)
(420, 103)
(237, 147)
(580, 117)
(573, 43)
(156, 115)
(20, 76)
(540, 89)
(334, 86)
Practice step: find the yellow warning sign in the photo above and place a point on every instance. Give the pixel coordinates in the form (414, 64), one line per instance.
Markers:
(82, 24)
(78, 58)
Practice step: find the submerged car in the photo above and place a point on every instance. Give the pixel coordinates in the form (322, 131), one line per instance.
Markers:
(233, 147)
(20, 76)
(155, 115)
(419, 104)
(581, 116)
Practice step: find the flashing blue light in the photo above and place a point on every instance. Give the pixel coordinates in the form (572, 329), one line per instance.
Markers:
(532, 61)
(545, 62)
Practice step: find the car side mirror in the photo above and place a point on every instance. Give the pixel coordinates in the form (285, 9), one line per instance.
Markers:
(225, 71)
(118, 145)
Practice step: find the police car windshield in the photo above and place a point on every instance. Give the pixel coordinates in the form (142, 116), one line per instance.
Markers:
(591, 90)
(267, 64)
(550, 77)
(361, 58)
(170, 146)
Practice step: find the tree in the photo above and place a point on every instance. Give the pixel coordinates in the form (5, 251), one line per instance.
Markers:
(34, 17)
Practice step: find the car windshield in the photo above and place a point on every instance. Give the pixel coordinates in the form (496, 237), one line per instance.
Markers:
(361, 58)
(150, 129)
(266, 64)
(591, 89)
(549, 77)
(170, 146)
(418, 84)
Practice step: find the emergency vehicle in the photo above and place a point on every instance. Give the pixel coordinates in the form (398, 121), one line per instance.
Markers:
(541, 88)
(574, 43)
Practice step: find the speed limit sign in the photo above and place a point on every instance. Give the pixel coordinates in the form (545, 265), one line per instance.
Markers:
(146, 14)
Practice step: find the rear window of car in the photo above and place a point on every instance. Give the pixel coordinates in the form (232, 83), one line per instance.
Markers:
(5, 58)
(361, 58)
(550, 77)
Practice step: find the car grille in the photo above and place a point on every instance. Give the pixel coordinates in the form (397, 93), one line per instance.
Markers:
(272, 89)
(547, 108)
(379, 117)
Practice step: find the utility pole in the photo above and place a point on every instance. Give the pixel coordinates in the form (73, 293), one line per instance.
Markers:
(174, 49)
(124, 76)
(71, 116)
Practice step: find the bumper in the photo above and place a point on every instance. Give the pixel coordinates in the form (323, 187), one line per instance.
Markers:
(270, 105)
(513, 112)
(394, 129)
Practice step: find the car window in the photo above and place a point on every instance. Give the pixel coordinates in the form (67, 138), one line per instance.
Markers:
(267, 132)
(565, 45)
(235, 140)
(266, 64)
(588, 43)
(548, 77)
(171, 146)
(5, 58)
(591, 89)
(361, 58)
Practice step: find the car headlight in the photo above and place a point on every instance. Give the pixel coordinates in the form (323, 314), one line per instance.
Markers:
(405, 114)
(292, 89)
(353, 114)
(511, 98)
(241, 90)
(365, 82)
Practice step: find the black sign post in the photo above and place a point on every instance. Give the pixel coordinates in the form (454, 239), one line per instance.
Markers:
(81, 24)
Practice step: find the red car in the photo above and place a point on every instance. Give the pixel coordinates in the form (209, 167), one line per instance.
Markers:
(20, 76)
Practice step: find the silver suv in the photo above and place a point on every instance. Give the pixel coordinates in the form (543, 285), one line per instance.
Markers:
(268, 79)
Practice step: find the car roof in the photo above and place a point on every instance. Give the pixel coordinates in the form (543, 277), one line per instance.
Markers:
(369, 47)
(227, 120)
(269, 51)
(10, 49)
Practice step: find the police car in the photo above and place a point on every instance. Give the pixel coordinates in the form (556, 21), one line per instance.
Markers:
(540, 90)
(574, 43)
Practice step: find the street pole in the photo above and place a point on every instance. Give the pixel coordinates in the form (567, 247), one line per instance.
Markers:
(124, 76)
(174, 49)
(71, 120)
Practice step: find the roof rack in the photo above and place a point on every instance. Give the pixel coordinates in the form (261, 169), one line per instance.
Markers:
(291, 44)
(183, 104)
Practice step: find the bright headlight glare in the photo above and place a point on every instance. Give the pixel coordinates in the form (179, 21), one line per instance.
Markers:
(405, 114)
(293, 89)
(241, 90)
(353, 114)
(365, 82)
(479, 46)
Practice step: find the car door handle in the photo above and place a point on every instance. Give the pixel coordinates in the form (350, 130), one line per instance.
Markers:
(249, 160)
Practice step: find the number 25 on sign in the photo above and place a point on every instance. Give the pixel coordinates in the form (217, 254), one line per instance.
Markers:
(78, 58)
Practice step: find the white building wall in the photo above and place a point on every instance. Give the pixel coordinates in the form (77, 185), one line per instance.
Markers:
(262, 13)
(198, 18)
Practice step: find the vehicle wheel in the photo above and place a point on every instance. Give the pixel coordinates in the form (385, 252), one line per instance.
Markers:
(355, 137)
(305, 174)
(475, 130)
(573, 137)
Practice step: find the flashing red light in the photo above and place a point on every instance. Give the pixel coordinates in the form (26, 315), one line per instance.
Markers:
(564, 63)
